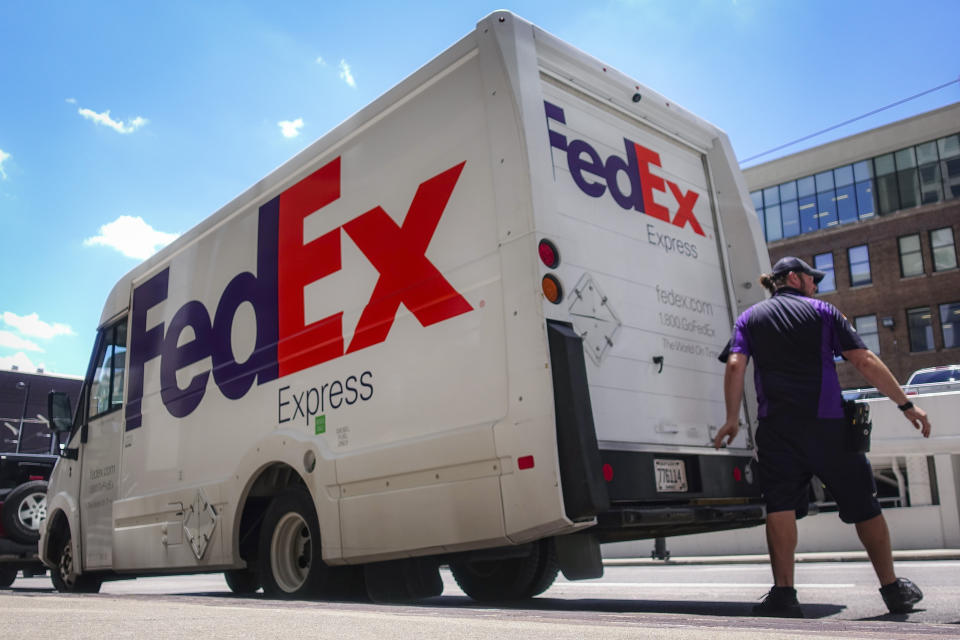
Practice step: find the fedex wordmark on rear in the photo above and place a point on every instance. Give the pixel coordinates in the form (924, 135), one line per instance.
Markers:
(596, 176)
(284, 342)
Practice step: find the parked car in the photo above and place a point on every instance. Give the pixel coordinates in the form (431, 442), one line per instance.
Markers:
(945, 373)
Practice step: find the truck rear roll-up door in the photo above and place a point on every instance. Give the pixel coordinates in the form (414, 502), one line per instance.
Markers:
(581, 474)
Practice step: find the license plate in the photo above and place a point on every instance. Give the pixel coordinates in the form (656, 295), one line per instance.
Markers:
(671, 475)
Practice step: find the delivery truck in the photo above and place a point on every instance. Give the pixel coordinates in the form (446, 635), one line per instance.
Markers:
(475, 325)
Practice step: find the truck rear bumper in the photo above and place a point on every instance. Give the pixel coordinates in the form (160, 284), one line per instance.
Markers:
(636, 522)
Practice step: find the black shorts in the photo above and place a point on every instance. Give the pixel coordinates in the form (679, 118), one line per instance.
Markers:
(790, 452)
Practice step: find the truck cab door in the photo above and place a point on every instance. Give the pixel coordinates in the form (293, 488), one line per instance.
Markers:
(102, 439)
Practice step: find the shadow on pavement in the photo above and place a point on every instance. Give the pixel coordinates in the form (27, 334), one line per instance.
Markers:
(895, 617)
(687, 607)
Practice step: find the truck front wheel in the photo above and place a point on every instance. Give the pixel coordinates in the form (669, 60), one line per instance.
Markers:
(289, 559)
(509, 578)
(65, 577)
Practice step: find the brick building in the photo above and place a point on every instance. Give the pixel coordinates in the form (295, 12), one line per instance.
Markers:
(880, 212)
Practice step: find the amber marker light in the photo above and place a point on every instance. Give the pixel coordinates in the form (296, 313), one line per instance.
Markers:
(552, 290)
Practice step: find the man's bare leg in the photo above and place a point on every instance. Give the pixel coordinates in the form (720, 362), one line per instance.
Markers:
(876, 540)
(782, 543)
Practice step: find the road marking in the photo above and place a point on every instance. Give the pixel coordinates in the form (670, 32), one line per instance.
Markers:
(699, 585)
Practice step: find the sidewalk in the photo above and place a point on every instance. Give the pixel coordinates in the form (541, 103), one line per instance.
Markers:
(826, 556)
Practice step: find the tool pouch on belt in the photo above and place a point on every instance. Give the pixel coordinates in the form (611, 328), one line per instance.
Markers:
(858, 426)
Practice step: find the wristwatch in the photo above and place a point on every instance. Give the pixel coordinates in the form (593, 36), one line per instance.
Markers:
(906, 406)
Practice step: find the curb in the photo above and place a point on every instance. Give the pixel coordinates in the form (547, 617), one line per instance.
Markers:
(822, 556)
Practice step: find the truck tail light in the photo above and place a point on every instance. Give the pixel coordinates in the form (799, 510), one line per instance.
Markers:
(525, 462)
(549, 254)
(608, 472)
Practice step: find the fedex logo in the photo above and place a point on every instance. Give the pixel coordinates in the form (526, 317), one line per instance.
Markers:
(596, 176)
(284, 343)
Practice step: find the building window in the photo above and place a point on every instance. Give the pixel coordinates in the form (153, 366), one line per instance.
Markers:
(824, 262)
(791, 218)
(887, 196)
(920, 327)
(772, 215)
(808, 214)
(949, 148)
(863, 174)
(911, 258)
(866, 327)
(931, 187)
(943, 249)
(907, 179)
(950, 324)
(859, 259)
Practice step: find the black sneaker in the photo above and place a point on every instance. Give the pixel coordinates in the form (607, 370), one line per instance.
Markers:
(780, 602)
(901, 595)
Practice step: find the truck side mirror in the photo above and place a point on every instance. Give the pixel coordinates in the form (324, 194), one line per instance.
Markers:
(58, 408)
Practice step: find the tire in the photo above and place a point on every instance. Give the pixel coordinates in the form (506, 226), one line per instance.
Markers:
(7, 576)
(242, 582)
(24, 511)
(64, 575)
(509, 578)
(289, 561)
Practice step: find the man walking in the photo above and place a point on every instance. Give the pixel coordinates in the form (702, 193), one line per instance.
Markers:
(793, 340)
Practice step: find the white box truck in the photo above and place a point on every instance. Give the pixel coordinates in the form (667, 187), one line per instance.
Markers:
(475, 325)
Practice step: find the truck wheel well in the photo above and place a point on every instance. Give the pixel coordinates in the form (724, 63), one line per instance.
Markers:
(272, 480)
(59, 530)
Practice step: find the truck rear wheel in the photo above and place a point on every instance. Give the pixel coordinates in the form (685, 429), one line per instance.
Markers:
(24, 511)
(242, 582)
(64, 576)
(7, 576)
(509, 578)
(289, 556)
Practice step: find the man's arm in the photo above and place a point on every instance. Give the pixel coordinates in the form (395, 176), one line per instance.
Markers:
(733, 378)
(872, 368)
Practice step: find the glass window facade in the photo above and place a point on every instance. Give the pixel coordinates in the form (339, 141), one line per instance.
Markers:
(911, 257)
(920, 328)
(950, 324)
(824, 262)
(859, 258)
(943, 249)
(866, 327)
(920, 174)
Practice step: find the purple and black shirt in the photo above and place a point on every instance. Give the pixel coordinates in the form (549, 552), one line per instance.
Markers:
(793, 340)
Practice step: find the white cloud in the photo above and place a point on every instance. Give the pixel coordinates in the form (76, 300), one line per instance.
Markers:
(31, 325)
(71, 101)
(10, 340)
(20, 361)
(4, 156)
(132, 237)
(346, 75)
(321, 61)
(104, 118)
(290, 128)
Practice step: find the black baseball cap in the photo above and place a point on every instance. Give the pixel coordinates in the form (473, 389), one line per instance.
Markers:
(789, 263)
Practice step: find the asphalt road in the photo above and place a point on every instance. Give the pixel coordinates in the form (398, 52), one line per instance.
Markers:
(659, 601)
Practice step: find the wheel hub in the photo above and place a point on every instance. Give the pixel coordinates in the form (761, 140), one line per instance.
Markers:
(291, 552)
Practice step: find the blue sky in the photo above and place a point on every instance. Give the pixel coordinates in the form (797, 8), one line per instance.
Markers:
(124, 124)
